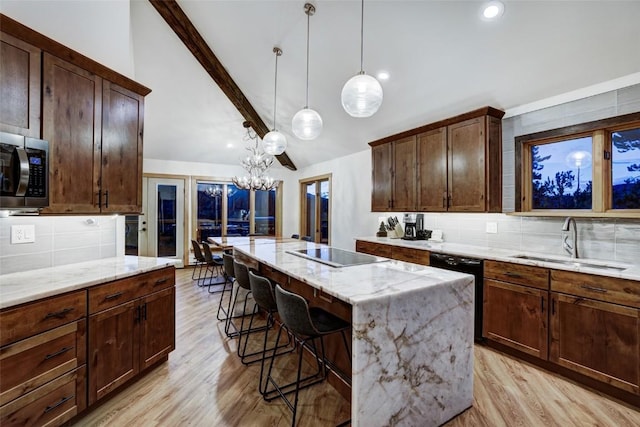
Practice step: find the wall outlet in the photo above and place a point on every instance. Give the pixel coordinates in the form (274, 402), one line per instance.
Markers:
(23, 234)
(492, 227)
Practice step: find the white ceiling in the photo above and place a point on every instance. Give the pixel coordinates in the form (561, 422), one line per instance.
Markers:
(442, 58)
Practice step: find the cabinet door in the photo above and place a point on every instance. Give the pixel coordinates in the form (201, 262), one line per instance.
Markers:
(516, 316)
(157, 334)
(71, 115)
(19, 87)
(432, 170)
(404, 174)
(381, 184)
(113, 349)
(597, 339)
(122, 117)
(466, 172)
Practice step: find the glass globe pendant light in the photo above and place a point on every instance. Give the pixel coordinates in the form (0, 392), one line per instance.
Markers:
(274, 142)
(307, 123)
(361, 94)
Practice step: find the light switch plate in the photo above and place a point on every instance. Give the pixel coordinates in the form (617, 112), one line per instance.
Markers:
(23, 234)
(492, 227)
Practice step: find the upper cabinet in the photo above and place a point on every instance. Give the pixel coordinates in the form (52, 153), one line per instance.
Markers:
(455, 166)
(91, 115)
(19, 87)
(393, 175)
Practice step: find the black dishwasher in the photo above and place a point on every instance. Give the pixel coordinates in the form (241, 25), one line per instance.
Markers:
(471, 266)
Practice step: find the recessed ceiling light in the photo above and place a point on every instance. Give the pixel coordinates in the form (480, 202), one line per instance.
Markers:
(229, 145)
(383, 75)
(492, 10)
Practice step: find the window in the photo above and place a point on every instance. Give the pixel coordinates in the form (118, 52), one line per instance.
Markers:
(593, 167)
(226, 210)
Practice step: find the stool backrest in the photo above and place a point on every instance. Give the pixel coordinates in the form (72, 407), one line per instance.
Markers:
(208, 256)
(241, 274)
(295, 236)
(294, 312)
(227, 263)
(197, 252)
(262, 292)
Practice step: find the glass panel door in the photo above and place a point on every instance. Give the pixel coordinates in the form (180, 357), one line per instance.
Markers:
(237, 211)
(210, 199)
(324, 211)
(316, 208)
(265, 210)
(165, 214)
(310, 211)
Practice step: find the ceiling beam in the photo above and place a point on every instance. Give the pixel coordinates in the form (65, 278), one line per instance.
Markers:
(187, 32)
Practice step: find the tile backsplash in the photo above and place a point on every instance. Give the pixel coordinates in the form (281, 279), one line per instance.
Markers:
(59, 240)
(606, 239)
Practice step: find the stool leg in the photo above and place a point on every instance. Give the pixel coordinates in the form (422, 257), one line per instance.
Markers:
(295, 399)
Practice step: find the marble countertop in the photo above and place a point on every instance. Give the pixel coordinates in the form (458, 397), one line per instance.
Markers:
(27, 286)
(628, 271)
(353, 284)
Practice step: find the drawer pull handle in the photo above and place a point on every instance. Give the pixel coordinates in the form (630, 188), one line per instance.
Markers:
(161, 281)
(58, 403)
(509, 274)
(57, 353)
(594, 289)
(113, 296)
(58, 314)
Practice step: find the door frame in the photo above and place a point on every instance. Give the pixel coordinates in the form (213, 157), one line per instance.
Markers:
(303, 203)
(185, 210)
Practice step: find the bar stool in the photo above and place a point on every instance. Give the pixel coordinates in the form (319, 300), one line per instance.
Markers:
(306, 324)
(229, 277)
(241, 272)
(200, 261)
(213, 264)
(262, 291)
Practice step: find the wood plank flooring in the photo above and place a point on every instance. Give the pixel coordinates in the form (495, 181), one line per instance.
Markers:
(204, 384)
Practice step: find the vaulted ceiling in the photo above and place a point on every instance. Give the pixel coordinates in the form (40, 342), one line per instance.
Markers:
(442, 59)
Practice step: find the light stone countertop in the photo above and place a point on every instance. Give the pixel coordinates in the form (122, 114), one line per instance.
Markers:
(27, 286)
(630, 271)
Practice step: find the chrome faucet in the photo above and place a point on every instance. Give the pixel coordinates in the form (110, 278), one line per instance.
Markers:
(571, 250)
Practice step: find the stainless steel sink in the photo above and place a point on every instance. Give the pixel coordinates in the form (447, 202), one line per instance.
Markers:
(573, 262)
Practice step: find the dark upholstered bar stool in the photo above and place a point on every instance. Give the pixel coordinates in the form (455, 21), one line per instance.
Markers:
(200, 261)
(229, 277)
(214, 265)
(262, 291)
(241, 272)
(307, 325)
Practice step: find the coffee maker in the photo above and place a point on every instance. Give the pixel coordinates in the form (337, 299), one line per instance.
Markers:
(421, 233)
(409, 221)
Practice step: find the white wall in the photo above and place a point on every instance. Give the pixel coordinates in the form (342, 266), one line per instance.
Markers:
(99, 29)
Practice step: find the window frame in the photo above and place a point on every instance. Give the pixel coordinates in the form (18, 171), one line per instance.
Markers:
(600, 131)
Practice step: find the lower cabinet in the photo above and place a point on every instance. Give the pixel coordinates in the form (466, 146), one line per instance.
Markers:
(126, 339)
(516, 316)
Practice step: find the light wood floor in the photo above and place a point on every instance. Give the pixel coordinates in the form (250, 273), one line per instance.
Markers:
(204, 384)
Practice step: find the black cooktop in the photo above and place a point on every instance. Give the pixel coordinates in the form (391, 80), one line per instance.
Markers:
(336, 257)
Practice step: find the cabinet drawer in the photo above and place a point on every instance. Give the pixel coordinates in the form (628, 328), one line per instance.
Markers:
(416, 256)
(31, 319)
(376, 249)
(111, 294)
(610, 289)
(52, 404)
(526, 275)
(29, 363)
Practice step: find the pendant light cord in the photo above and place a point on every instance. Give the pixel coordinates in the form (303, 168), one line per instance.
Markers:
(278, 52)
(306, 103)
(362, 39)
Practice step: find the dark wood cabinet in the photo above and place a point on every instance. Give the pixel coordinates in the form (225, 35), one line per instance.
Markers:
(516, 306)
(19, 86)
(413, 255)
(72, 120)
(454, 165)
(91, 116)
(121, 154)
(394, 176)
(131, 328)
(432, 170)
(595, 327)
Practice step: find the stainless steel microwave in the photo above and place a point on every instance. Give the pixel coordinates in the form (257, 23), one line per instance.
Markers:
(24, 172)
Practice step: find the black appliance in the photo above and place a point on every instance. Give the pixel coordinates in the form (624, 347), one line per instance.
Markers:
(471, 266)
(409, 227)
(24, 172)
(336, 257)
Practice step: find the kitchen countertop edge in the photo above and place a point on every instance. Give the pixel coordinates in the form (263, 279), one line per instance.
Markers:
(28, 286)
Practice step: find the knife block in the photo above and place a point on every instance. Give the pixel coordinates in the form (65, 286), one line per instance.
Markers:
(396, 233)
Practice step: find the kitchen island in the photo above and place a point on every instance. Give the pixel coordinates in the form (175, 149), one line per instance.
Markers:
(412, 333)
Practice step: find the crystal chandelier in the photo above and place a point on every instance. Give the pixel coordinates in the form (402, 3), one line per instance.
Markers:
(256, 164)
